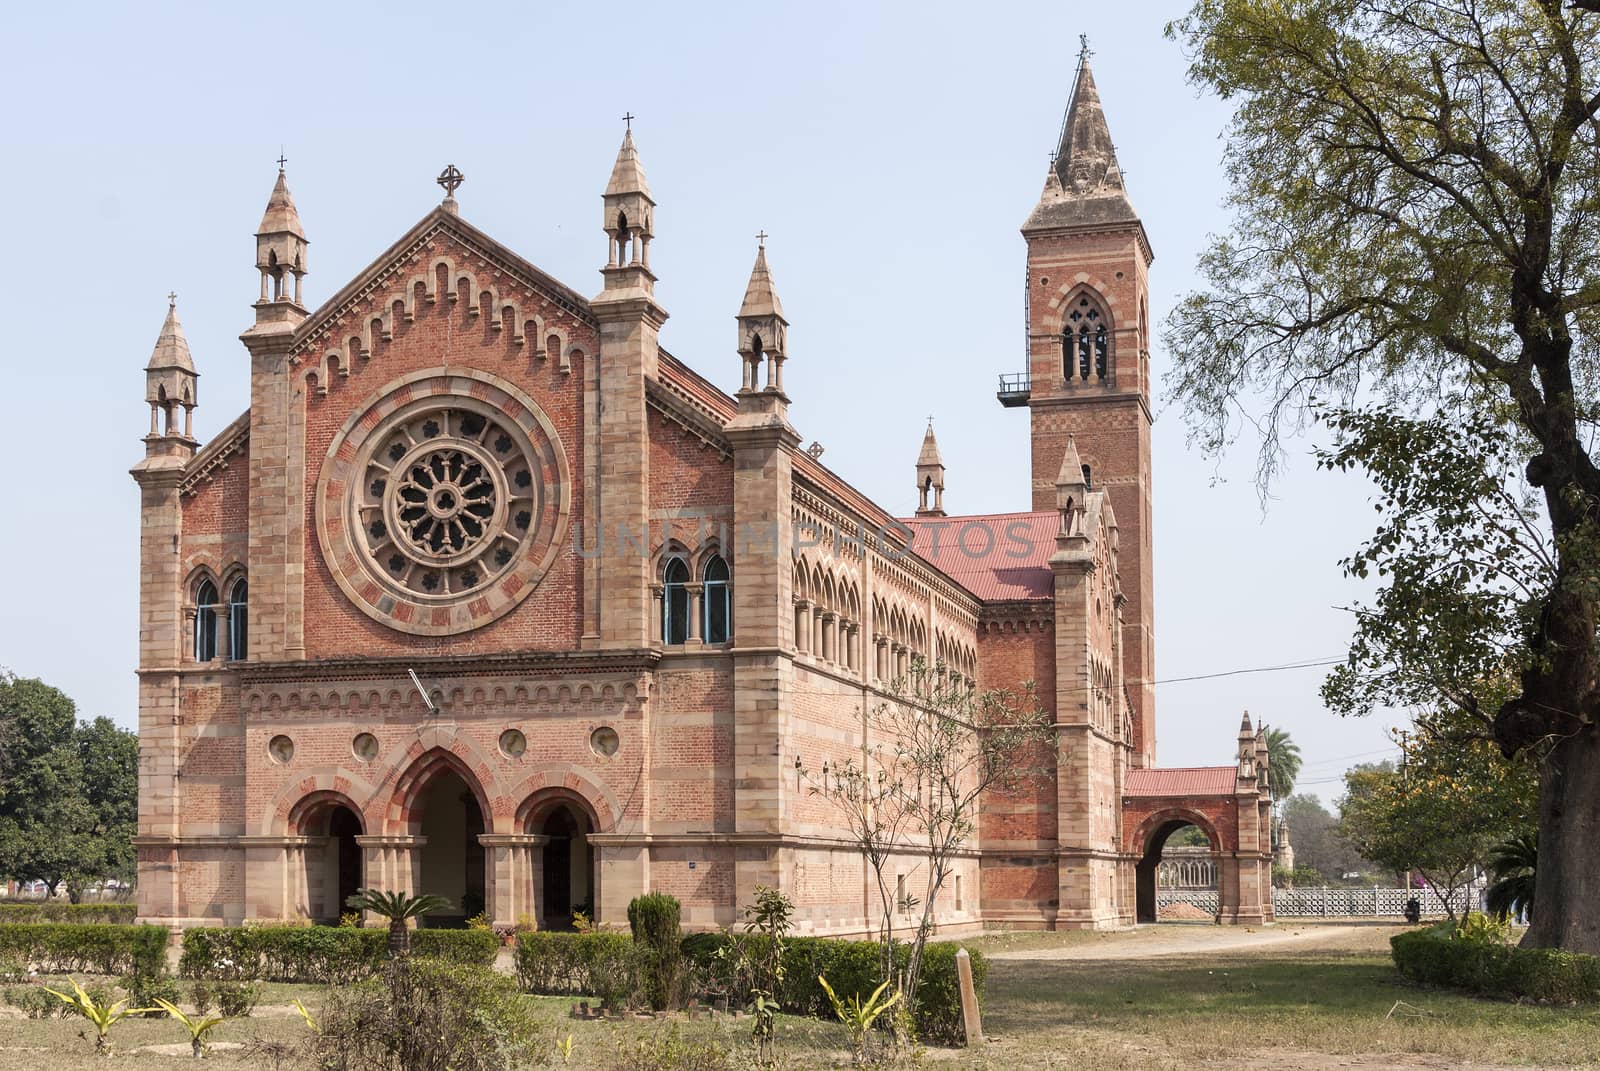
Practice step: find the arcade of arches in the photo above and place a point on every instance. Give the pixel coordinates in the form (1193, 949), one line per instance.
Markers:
(546, 872)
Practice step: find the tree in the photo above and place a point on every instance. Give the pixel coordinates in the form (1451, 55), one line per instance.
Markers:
(1514, 865)
(399, 909)
(1318, 844)
(1443, 811)
(68, 792)
(939, 748)
(1283, 763)
(1415, 186)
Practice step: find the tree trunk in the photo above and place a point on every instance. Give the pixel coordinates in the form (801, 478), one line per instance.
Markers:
(399, 938)
(1567, 883)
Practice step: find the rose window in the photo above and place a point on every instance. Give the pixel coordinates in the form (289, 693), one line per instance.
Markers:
(455, 496)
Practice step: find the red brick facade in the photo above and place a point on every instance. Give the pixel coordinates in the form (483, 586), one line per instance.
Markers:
(539, 619)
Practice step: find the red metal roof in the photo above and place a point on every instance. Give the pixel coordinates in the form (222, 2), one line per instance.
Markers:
(1181, 781)
(996, 556)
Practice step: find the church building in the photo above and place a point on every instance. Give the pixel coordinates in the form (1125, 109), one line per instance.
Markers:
(488, 594)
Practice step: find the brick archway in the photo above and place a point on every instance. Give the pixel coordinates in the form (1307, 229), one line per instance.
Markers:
(1233, 814)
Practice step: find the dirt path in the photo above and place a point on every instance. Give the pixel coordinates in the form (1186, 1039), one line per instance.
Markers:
(1149, 942)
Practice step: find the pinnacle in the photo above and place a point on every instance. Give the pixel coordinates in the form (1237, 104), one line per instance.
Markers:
(627, 175)
(1071, 465)
(281, 216)
(172, 349)
(1245, 728)
(760, 297)
(930, 450)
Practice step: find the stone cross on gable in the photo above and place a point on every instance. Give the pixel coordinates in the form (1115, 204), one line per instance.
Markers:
(451, 179)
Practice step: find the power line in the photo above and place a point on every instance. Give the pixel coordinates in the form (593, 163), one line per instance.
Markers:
(1257, 669)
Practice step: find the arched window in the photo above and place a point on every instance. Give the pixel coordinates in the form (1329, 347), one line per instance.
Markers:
(715, 575)
(238, 621)
(1085, 345)
(205, 622)
(675, 604)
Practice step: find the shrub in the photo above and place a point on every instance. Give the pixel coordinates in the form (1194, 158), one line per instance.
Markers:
(1440, 956)
(426, 1014)
(35, 1003)
(334, 955)
(851, 968)
(656, 936)
(52, 911)
(145, 989)
(95, 948)
(475, 946)
(600, 965)
(234, 1000)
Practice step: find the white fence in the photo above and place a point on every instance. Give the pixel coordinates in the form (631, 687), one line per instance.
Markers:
(1327, 902)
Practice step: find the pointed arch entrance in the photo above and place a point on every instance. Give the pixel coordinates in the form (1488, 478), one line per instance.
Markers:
(566, 875)
(330, 860)
(446, 812)
(1155, 836)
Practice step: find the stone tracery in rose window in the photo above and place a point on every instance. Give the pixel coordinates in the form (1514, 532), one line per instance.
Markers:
(450, 492)
(443, 501)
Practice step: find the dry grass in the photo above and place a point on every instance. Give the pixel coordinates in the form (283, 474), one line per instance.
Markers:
(1315, 1004)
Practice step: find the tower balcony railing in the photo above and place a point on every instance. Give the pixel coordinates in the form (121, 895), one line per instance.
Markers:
(1015, 389)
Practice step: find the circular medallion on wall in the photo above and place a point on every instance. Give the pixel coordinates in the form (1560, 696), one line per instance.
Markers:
(281, 749)
(364, 747)
(605, 741)
(443, 501)
(513, 743)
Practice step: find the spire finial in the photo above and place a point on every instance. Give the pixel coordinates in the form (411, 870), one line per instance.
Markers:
(761, 239)
(282, 159)
(172, 299)
(451, 179)
(629, 118)
(1084, 51)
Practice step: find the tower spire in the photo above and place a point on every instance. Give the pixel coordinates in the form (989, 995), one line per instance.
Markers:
(280, 248)
(629, 222)
(930, 476)
(763, 331)
(1084, 183)
(171, 381)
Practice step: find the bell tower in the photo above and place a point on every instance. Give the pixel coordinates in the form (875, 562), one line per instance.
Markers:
(1088, 371)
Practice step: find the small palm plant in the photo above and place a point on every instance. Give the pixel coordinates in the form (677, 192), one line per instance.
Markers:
(858, 1016)
(1514, 864)
(399, 908)
(198, 1025)
(103, 1014)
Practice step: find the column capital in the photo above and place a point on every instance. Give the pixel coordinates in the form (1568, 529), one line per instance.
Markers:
(391, 841)
(513, 840)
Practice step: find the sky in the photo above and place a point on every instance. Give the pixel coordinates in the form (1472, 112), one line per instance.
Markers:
(890, 152)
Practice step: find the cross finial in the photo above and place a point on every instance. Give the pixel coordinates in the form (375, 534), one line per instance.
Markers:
(282, 159)
(629, 118)
(930, 420)
(761, 237)
(172, 299)
(450, 178)
(1084, 51)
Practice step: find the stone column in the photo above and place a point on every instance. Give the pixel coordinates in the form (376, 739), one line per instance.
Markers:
(658, 612)
(830, 636)
(513, 892)
(696, 611)
(392, 863)
(802, 626)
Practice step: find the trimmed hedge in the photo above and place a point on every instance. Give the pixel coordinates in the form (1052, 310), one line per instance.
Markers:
(96, 948)
(334, 955)
(602, 965)
(1432, 956)
(53, 911)
(598, 964)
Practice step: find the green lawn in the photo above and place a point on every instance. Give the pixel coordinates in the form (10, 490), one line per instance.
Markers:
(1323, 1006)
